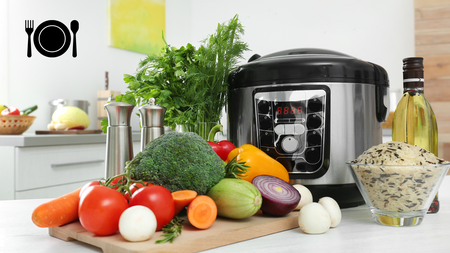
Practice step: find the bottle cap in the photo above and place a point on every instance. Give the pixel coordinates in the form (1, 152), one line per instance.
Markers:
(413, 74)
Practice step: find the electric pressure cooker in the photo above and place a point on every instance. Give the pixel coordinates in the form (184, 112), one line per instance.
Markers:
(312, 110)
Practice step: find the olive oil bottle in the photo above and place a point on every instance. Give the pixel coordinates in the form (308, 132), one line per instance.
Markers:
(414, 120)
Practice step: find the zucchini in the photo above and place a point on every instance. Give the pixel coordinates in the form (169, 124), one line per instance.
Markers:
(29, 110)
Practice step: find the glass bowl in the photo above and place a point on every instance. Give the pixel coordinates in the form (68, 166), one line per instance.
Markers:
(398, 195)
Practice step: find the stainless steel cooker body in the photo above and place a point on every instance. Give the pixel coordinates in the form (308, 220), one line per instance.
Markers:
(348, 127)
(312, 110)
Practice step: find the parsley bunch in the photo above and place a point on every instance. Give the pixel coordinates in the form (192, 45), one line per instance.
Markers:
(190, 83)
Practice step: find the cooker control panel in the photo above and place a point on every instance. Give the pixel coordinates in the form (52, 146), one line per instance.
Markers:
(290, 127)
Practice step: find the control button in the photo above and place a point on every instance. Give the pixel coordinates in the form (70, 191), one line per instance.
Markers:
(312, 155)
(313, 138)
(289, 144)
(279, 129)
(266, 138)
(265, 122)
(289, 129)
(314, 105)
(313, 121)
(299, 129)
(263, 107)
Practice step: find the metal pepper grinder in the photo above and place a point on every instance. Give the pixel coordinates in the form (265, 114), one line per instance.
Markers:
(119, 143)
(152, 122)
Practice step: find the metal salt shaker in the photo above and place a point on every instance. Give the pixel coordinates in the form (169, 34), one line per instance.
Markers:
(152, 122)
(119, 143)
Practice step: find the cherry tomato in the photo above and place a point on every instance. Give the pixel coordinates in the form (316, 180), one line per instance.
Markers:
(87, 185)
(159, 200)
(118, 180)
(134, 187)
(11, 111)
(100, 209)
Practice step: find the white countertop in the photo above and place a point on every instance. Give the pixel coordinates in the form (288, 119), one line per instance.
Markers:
(31, 139)
(356, 233)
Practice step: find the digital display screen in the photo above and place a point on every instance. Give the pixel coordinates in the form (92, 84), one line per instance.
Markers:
(290, 109)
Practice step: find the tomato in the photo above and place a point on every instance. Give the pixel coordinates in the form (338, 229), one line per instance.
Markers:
(11, 111)
(100, 209)
(87, 185)
(134, 187)
(118, 180)
(159, 200)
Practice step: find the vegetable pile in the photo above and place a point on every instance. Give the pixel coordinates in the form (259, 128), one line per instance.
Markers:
(178, 177)
(5, 110)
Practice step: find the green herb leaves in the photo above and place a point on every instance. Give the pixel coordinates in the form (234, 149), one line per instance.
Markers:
(190, 83)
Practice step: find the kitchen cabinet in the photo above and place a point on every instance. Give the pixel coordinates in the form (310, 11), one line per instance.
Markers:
(48, 166)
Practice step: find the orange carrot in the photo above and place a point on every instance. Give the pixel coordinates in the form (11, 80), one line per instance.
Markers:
(58, 211)
(202, 212)
(182, 198)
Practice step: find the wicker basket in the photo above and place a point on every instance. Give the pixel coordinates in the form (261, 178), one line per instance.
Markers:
(15, 124)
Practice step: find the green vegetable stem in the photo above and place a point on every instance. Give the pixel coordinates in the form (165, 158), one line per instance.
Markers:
(190, 83)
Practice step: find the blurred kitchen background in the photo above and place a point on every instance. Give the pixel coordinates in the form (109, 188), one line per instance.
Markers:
(383, 32)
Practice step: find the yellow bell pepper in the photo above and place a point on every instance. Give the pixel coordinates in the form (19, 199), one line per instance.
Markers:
(259, 163)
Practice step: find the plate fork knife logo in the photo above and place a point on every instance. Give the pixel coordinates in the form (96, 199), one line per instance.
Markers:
(51, 38)
(29, 27)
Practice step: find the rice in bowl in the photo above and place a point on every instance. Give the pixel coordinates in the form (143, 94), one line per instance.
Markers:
(398, 177)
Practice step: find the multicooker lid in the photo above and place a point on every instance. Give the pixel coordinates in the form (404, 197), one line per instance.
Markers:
(306, 65)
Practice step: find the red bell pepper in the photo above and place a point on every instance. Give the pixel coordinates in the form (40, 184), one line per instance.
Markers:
(11, 111)
(222, 148)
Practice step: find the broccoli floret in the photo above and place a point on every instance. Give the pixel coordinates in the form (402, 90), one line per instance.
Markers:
(179, 161)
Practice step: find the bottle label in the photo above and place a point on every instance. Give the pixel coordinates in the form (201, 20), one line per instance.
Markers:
(411, 80)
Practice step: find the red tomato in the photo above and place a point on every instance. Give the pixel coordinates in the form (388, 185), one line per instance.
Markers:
(100, 209)
(159, 200)
(134, 187)
(118, 180)
(87, 185)
(11, 111)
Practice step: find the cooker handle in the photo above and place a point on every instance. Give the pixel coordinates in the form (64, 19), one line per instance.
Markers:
(381, 95)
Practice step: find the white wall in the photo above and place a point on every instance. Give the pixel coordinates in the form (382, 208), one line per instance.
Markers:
(379, 31)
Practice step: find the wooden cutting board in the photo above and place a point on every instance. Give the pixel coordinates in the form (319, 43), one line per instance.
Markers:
(221, 233)
(68, 131)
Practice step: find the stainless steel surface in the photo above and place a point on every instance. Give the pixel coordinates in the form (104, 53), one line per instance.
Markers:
(119, 144)
(353, 125)
(152, 122)
(119, 113)
(59, 103)
(152, 115)
(150, 133)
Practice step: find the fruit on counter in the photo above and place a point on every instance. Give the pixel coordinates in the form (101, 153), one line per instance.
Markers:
(314, 219)
(137, 223)
(279, 197)
(306, 196)
(222, 148)
(58, 211)
(72, 117)
(100, 209)
(179, 161)
(29, 110)
(333, 210)
(14, 111)
(159, 200)
(10, 111)
(202, 212)
(134, 187)
(236, 198)
(182, 198)
(259, 163)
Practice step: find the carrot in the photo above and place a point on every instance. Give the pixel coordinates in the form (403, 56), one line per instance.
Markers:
(58, 211)
(202, 212)
(182, 198)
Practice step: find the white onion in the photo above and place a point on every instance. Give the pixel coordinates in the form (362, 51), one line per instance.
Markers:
(137, 223)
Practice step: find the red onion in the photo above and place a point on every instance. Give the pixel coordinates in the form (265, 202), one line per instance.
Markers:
(279, 197)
